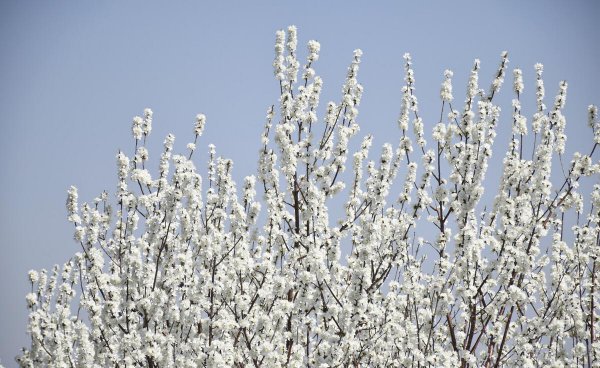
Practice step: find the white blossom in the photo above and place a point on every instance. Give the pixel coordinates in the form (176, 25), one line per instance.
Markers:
(518, 85)
(181, 270)
(446, 90)
(200, 122)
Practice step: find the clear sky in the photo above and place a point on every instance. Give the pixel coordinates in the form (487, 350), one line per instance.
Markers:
(74, 73)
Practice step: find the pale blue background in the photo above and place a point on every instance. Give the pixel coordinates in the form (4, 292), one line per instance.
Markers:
(72, 74)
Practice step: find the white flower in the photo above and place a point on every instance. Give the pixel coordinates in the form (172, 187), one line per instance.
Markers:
(313, 48)
(141, 175)
(446, 90)
(72, 207)
(278, 63)
(147, 124)
(31, 299)
(200, 122)
(136, 127)
(141, 154)
(33, 276)
(540, 91)
(497, 82)
(592, 115)
(518, 82)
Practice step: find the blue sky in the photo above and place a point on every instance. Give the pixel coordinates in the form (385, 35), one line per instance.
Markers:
(74, 73)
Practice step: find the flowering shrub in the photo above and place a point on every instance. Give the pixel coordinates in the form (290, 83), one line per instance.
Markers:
(181, 270)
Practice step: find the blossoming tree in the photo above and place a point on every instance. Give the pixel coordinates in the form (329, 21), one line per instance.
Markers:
(180, 270)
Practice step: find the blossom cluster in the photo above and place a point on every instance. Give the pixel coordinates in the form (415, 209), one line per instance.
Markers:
(181, 270)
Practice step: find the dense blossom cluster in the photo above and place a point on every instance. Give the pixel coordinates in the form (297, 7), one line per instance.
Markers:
(182, 270)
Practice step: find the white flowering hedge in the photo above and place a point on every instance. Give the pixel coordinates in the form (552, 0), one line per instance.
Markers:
(186, 271)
